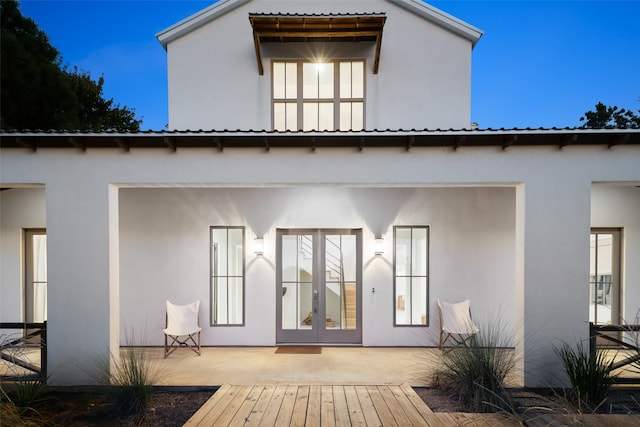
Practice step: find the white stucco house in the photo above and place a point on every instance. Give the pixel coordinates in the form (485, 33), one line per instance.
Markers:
(321, 182)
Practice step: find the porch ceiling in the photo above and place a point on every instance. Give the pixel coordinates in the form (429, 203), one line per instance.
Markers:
(288, 28)
(365, 139)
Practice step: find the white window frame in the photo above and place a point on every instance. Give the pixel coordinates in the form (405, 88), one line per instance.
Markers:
(297, 101)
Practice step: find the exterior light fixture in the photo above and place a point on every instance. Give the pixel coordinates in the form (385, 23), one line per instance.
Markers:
(379, 246)
(258, 246)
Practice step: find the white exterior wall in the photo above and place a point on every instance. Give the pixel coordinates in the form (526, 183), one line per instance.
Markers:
(619, 207)
(92, 238)
(169, 252)
(20, 209)
(424, 80)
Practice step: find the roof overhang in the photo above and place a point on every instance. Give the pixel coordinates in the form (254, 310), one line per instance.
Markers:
(288, 28)
(197, 20)
(443, 19)
(219, 140)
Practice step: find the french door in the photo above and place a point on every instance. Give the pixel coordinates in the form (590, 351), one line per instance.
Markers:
(604, 276)
(35, 275)
(319, 286)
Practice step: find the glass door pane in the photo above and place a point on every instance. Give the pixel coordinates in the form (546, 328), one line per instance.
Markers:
(297, 282)
(319, 282)
(601, 272)
(340, 286)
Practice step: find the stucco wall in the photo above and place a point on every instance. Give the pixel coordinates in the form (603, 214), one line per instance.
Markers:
(619, 207)
(552, 213)
(424, 80)
(20, 209)
(164, 253)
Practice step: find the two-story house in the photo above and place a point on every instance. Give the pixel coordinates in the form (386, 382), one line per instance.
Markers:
(321, 182)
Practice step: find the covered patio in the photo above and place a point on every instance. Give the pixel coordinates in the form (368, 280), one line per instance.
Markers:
(294, 365)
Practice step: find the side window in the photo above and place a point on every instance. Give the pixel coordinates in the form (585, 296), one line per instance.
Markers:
(227, 275)
(318, 96)
(411, 275)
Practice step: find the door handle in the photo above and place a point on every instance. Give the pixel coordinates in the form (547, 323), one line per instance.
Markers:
(315, 300)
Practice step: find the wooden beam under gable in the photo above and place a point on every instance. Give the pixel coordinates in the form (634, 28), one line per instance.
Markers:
(287, 28)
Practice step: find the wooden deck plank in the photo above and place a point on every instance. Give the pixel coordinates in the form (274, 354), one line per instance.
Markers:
(327, 410)
(447, 420)
(218, 398)
(493, 420)
(246, 408)
(286, 409)
(431, 419)
(313, 411)
(273, 407)
(261, 405)
(386, 417)
(340, 406)
(223, 416)
(384, 405)
(368, 409)
(397, 410)
(413, 415)
(415, 399)
(299, 416)
(463, 419)
(356, 414)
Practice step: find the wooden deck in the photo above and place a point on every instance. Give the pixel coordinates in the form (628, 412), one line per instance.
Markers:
(349, 405)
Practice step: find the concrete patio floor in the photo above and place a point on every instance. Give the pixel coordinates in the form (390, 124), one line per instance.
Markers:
(262, 365)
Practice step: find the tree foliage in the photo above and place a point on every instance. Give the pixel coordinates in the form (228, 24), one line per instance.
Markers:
(38, 92)
(610, 117)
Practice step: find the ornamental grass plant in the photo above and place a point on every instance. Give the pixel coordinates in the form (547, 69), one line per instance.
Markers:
(130, 377)
(590, 376)
(475, 371)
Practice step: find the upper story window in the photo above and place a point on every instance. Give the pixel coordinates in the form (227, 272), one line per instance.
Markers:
(318, 96)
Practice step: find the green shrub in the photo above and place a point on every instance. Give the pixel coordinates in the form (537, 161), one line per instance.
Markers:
(475, 371)
(590, 375)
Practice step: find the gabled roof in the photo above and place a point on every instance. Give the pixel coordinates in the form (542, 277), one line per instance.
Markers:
(442, 19)
(221, 7)
(197, 20)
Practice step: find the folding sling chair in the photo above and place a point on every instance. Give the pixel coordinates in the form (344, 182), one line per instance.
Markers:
(183, 327)
(456, 322)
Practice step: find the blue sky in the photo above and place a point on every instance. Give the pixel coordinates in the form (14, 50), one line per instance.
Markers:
(538, 64)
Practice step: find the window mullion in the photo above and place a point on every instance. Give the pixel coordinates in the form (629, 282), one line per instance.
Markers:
(336, 95)
(300, 96)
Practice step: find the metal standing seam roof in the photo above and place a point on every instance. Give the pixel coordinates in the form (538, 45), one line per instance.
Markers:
(406, 139)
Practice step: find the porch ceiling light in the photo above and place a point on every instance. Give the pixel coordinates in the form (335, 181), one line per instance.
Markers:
(379, 246)
(258, 246)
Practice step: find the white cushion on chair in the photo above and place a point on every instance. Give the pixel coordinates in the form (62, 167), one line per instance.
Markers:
(182, 319)
(456, 318)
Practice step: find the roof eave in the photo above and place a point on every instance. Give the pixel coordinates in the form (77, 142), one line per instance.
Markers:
(361, 139)
(197, 20)
(441, 18)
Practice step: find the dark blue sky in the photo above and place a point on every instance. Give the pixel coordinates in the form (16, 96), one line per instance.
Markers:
(538, 64)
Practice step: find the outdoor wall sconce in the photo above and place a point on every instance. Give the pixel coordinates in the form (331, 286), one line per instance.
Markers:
(379, 246)
(258, 246)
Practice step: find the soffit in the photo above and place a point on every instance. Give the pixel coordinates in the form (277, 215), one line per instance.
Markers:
(219, 140)
(290, 28)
